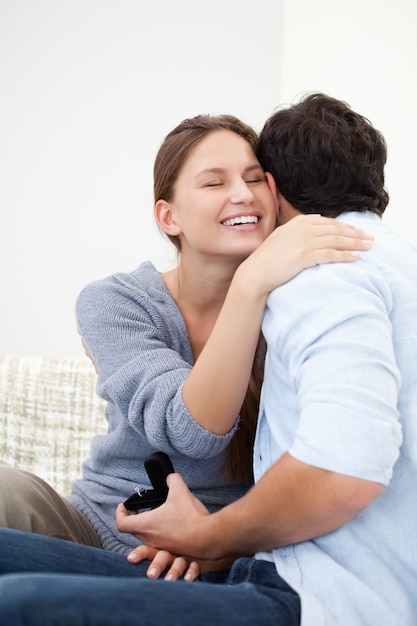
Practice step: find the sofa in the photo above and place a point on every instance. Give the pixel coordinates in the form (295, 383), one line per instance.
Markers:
(49, 413)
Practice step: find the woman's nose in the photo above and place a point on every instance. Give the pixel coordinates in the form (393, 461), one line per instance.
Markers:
(241, 193)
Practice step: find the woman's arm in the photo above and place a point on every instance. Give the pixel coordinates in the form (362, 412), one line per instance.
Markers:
(137, 338)
(216, 386)
(136, 344)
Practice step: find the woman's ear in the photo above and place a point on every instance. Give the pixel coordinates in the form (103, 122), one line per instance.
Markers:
(165, 218)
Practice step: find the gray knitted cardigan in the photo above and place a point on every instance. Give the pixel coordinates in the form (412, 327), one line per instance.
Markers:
(137, 337)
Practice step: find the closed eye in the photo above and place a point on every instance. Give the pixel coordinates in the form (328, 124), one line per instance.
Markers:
(253, 181)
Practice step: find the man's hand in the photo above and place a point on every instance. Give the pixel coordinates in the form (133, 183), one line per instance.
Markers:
(175, 526)
(292, 502)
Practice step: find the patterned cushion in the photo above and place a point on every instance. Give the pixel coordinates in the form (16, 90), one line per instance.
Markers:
(49, 413)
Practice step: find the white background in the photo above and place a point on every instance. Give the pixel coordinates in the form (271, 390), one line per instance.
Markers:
(89, 89)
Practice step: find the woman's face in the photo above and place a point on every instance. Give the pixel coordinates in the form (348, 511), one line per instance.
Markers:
(222, 203)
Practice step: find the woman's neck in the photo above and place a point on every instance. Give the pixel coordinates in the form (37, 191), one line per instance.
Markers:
(199, 293)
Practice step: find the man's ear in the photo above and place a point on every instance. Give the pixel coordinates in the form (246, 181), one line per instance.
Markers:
(271, 184)
(273, 187)
(164, 215)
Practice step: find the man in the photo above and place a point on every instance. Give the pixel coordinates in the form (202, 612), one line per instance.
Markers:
(333, 515)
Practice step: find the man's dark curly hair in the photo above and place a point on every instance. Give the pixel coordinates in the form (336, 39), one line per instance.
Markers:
(325, 158)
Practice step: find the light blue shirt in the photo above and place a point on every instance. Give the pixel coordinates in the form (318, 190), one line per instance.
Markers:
(340, 393)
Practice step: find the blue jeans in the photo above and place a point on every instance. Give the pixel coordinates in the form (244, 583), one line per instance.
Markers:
(251, 593)
(29, 552)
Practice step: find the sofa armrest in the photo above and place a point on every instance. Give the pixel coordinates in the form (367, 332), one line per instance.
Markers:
(49, 413)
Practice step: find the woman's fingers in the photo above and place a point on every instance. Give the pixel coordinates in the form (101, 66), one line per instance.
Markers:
(193, 571)
(178, 566)
(182, 567)
(162, 561)
(334, 249)
(142, 553)
(304, 241)
(314, 239)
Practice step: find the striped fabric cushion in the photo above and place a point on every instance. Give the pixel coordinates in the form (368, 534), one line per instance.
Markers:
(49, 413)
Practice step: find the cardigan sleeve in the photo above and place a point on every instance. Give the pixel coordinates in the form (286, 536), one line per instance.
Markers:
(140, 347)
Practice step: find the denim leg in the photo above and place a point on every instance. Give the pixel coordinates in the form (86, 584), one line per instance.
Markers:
(71, 600)
(28, 552)
(262, 575)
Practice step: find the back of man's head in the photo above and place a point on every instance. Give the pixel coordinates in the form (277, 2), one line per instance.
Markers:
(325, 158)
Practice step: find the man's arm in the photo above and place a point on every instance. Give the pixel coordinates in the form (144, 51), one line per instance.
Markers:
(292, 502)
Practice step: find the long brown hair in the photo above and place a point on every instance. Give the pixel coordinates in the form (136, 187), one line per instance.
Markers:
(169, 161)
(238, 464)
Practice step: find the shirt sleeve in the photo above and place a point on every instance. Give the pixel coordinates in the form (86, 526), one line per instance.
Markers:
(336, 345)
(141, 370)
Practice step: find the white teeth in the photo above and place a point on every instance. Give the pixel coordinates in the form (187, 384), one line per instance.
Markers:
(243, 219)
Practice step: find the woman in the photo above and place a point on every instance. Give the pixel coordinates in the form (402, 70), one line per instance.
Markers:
(176, 353)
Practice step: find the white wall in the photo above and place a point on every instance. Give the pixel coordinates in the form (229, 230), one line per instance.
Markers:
(363, 52)
(89, 88)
